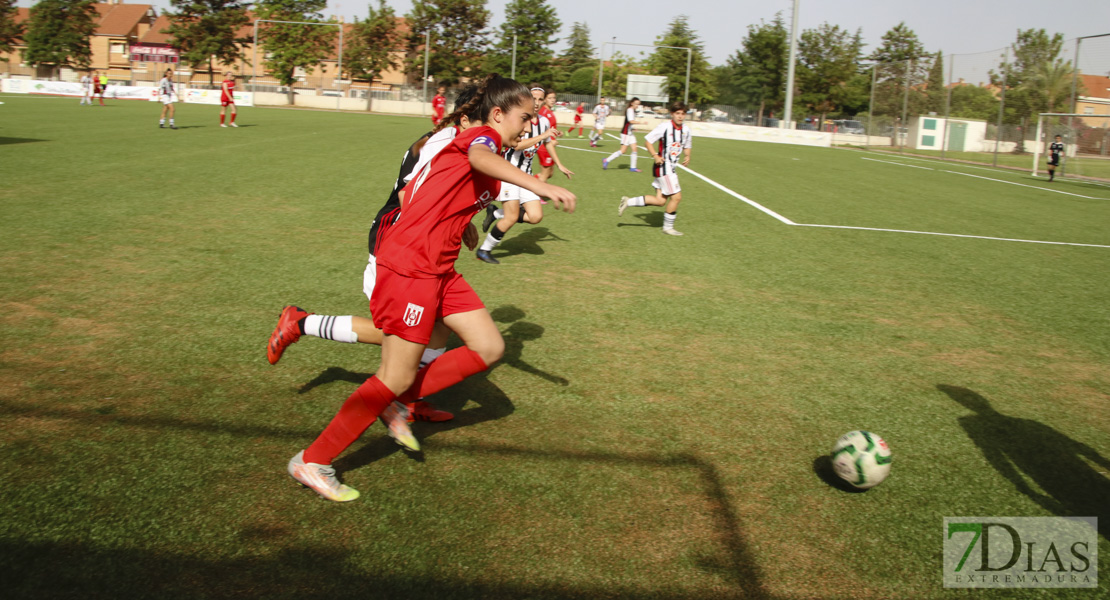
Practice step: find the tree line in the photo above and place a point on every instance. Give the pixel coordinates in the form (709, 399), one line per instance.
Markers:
(834, 75)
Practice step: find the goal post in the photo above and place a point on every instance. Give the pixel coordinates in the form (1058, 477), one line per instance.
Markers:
(1086, 139)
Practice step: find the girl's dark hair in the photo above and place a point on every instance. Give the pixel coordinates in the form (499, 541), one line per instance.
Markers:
(677, 106)
(492, 91)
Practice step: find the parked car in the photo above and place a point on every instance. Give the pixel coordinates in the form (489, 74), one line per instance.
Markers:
(850, 127)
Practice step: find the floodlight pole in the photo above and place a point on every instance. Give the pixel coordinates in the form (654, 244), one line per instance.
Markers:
(689, 61)
(789, 112)
(513, 75)
(254, 49)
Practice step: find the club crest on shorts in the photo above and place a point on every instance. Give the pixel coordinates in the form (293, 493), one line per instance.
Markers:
(413, 313)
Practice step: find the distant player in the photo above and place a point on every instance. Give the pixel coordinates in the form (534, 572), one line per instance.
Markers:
(103, 87)
(600, 112)
(97, 90)
(1055, 151)
(227, 98)
(86, 89)
(519, 204)
(167, 95)
(665, 143)
(439, 105)
(547, 160)
(578, 119)
(628, 137)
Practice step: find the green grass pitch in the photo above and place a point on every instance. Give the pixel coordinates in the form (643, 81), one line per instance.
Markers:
(660, 423)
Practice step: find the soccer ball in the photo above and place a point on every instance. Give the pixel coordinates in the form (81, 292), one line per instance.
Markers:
(861, 458)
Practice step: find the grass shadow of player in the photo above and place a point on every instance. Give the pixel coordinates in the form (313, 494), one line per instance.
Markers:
(822, 467)
(528, 242)
(650, 219)
(1021, 449)
(4, 141)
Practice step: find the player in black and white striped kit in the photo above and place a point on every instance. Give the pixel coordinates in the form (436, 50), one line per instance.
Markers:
(519, 205)
(628, 137)
(665, 143)
(1055, 151)
(167, 95)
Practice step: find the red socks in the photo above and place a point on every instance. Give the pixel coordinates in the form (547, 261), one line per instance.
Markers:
(221, 119)
(444, 372)
(233, 117)
(359, 411)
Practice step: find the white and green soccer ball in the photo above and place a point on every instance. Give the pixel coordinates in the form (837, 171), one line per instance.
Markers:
(861, 458)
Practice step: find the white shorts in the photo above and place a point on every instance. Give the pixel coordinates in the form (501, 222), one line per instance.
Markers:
(668, 184)
(599, 124)
(628, 139)
(515, 192)
(168, 99)
(369, 277)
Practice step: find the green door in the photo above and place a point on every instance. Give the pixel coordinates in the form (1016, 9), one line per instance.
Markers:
(957, 132)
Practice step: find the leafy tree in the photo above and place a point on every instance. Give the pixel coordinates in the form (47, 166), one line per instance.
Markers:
(1032, 75)
(582, 81)
(291, 47)
(757, 72)
(10, 31)
(973, 102)
(829, 57)
(58, 33)
(203, 30)
(458, 38)
(935, 92)
(580, 51)
(536, 27)
(373, 45)
(617, 69)
(902, 61)
(671, 63)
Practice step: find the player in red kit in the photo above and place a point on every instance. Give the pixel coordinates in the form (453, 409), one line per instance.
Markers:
(439, 105)
(417, 282)
(546, 152)
(227, 98)
(578, 119)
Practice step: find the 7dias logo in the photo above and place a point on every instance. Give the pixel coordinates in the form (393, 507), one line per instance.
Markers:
(1021, 552)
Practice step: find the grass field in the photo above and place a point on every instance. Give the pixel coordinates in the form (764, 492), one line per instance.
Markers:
(660, 423)
(1083, 166)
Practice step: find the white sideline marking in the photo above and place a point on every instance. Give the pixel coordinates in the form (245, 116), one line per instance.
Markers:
(895, 163)
(783, 219)
(1036, 187)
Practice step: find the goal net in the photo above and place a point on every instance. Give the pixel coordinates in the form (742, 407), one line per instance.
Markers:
(1086, 139)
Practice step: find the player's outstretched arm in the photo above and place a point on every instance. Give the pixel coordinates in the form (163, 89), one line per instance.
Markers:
(555, 157)
(487, 162)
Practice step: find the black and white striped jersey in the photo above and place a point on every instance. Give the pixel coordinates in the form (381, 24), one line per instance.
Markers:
(522, 159)
(671, 140)
(629, 117)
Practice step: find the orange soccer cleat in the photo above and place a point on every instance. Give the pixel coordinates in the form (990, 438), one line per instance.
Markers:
(287, 332)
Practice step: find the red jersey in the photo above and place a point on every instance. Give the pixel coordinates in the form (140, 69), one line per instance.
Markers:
(544, 111)
(578, 113)
(439, 104)
(229, 93)
(439, 202)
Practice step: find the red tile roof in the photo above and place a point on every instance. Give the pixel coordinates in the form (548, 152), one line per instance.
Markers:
(120, 19)
(1095, 86)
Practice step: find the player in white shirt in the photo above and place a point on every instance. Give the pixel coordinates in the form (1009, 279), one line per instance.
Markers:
(628, 137)
(519, 205)
(600, 112)
(86, 89)
(167, 95)
(665, 143)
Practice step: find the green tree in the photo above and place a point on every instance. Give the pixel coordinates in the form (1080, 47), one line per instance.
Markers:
(204, 30)
(579, 55)
(902, 61)
(582, 81)
(290, 47)
(373, 45)
(10, 31)
(536, 27)
(458, 39)
(757, 72)
(935, 92)
(615, 77)
(1030, 72)
(58, 33)
(973, 102)
(828, 60)
(672, 63)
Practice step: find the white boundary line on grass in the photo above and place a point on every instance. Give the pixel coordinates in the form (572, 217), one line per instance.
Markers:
(967, 166)
(897, 163)
(787, 221)
(1035, 187)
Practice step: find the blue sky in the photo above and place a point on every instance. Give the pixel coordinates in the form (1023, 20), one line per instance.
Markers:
(954, 26)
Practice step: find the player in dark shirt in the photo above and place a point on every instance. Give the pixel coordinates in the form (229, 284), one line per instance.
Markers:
(1055, 151)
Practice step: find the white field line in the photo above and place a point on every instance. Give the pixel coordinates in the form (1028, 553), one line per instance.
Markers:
(1035, 187)
(897, 163)
(787, 221)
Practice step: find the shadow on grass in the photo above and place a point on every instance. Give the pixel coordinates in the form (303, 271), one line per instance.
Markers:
(4, 141)
(528, 242)
(650, 219)
(38, 569)
(1021, 448)
(822, 467)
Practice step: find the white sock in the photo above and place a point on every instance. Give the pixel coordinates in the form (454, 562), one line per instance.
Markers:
(160, 121)
(338, 329)
(613, 156)
(431, 354)
(171, 120)
(492, 241)
(637, 201)
(633, 157)
(498, 214)
(668, 220)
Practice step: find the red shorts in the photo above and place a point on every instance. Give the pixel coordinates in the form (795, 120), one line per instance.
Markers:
(577, 118)
(226, 101)
(408, 307)
(545, 158)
